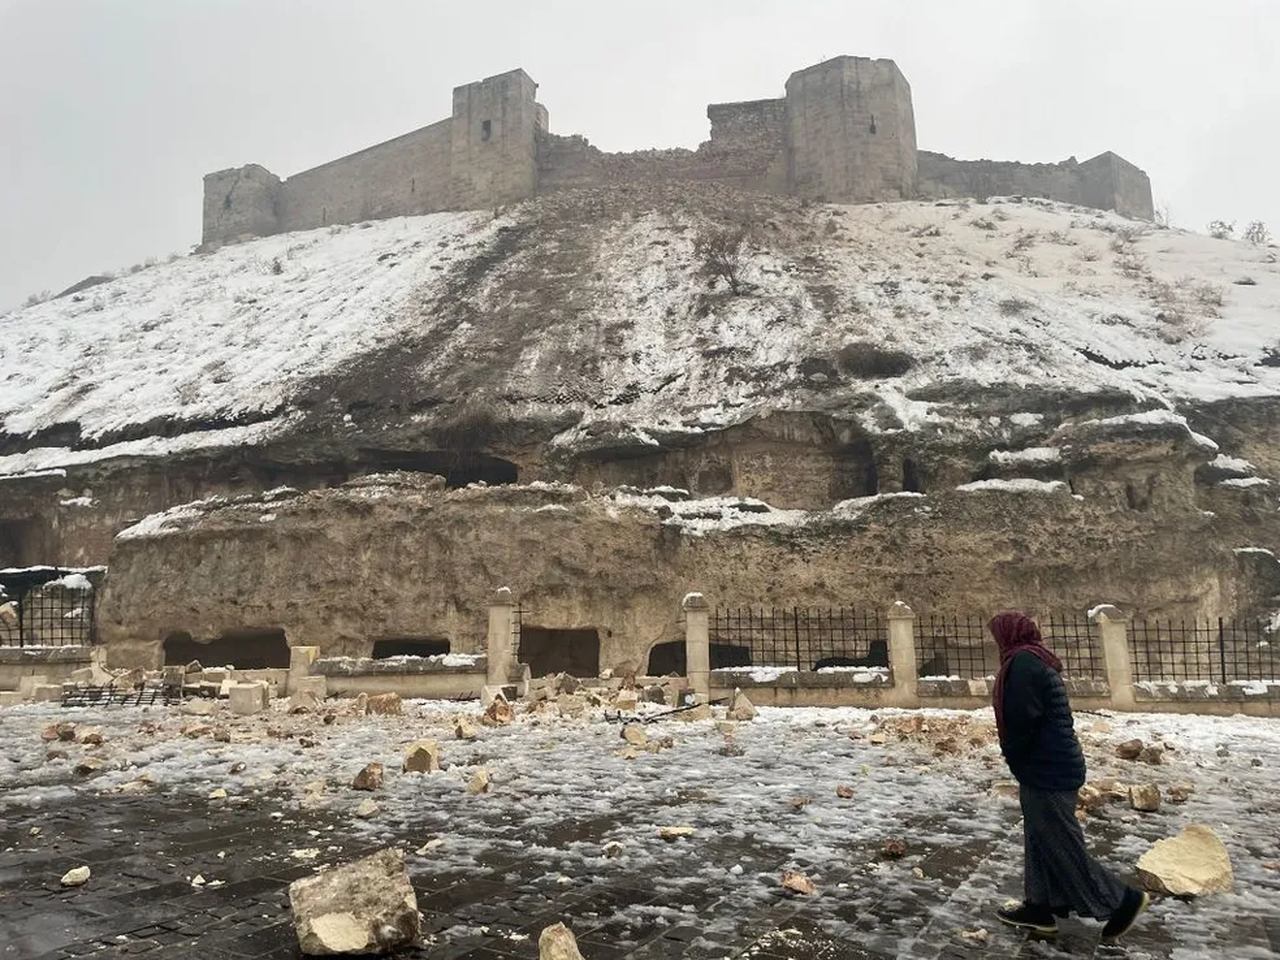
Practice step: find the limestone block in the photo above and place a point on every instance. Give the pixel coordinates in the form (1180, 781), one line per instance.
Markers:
(1144, 797)
(386, 704)
(557, 942)
(246, 698)
(422, 756)
(301, 658)
(27, 685)
(740, 708)
(307, 692)
(200, 708)
(1193, 863)
(11, 698)
(978, 688)
(363, 907)
(46, 692)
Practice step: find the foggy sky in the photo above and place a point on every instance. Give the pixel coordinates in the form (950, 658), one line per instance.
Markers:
(111, 111)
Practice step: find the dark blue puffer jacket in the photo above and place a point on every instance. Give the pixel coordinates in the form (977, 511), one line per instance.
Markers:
(1039, 741)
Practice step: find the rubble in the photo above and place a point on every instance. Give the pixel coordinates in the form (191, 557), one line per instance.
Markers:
(1192, 864)
(844, 792)
(386, 704)
(893, 849)
(75, 877)
(741, 708)
(366, 808)
(1153, 755)
(675, 833)
(1179, 792)
(557, 942)
(1006, 789)
(464, 729)
(479, 782)
(797, 882)
(369, 778)
(498, 713)
(367, 906)
(65, 731)
(1145, 797)
(1129, 750)
(422, 756)
(635, 735)
(91, 737)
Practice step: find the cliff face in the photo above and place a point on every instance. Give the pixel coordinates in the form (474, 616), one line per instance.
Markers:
(694, 337)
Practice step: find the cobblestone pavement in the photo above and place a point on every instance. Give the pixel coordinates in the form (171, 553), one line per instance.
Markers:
(145, 850)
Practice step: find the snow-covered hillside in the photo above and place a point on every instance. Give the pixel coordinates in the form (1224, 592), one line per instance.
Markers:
(897, 316)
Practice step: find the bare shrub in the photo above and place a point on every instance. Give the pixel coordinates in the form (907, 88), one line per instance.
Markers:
(1256, 232)
(1221, 230)
(1060, 237)
(982, 224)
(1161, 216)
(37, 298)
(1023, 240)
(869, 361)
(723, 256)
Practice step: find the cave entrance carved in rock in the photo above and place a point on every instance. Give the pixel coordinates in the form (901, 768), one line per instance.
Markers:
(250, 648)
(550, 650)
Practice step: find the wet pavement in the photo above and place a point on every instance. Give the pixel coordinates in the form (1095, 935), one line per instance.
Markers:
(145, 850)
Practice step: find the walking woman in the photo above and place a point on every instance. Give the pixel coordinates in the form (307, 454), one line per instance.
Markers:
(1039, 743)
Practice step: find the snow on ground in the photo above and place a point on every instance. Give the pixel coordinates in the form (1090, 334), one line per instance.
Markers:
(615, 317)
(562, 791)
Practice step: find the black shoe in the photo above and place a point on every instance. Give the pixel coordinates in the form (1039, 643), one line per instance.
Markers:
(1029, 916)
(1134, 902)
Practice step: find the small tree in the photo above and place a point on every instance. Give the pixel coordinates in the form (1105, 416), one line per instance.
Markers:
(1221, 230)
(721, 251)
(1256, 232)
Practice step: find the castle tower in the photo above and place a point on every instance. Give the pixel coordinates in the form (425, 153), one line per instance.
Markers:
(851, 132)
(492, 134)
(240, 202)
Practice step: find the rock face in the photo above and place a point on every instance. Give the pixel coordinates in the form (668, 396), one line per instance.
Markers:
(1193, 863)
(557, 942)
(363, 907)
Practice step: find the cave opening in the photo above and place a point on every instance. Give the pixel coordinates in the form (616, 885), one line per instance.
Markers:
(549, 650)
(912, 482)
(458, 467)
(668, 658)
(409, 647)
(250, 648)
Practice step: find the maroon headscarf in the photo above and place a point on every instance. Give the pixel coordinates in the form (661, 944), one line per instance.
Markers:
(1015, 633)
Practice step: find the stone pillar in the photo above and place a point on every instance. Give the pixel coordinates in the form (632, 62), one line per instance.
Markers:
(697, 644)
(902, 654)
(498, 645)
(1113, 627)
(300, 660)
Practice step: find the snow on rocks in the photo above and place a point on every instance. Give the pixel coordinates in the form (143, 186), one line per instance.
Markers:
(1192, 864)
(367, 906)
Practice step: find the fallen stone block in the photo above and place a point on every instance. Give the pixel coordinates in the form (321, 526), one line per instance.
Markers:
(46, 693)
(626, 700)
(386, 704)
(1144, 797)
(797, 882)
(369, 778)
(741, 708)
(1153, 755)
(27, 685)
(1193, 863)
(464, 729)
(635, 735)
(366, 809)
(11, 698)
(499, 713)
(490, 693)
(246, 698)
(701, 712)
(363, 907)
(422, 756)
(571, 705)
(75, 877)
(1180, 792)
(671, 834)
(200, 708)
(1129, 750)
(307, 693)
(479, 782)
(557, 942)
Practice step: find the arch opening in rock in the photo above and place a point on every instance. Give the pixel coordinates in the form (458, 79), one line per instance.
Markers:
(408, 647)
(550, 650)
(249, 648)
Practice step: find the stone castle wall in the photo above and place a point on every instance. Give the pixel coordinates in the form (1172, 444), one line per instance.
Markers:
(844, 133)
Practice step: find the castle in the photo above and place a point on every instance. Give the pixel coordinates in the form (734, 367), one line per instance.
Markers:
(844, 133)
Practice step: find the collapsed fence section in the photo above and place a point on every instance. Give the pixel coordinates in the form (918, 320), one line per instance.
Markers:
(1206, 651)
(800, 638)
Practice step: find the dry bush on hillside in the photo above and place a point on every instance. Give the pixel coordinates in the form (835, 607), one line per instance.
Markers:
(1257, 233)
(723, 255)
(1221, 230)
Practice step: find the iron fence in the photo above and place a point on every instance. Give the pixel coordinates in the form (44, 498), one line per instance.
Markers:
(806, 638)
(1075, 640)
(1216, 651)
(46, 607)
(955, 646)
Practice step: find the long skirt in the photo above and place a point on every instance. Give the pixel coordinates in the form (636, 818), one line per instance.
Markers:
(1059, 872)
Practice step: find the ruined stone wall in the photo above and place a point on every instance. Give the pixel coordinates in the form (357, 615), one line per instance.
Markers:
(240, 202)
(407, 175)
(1106, 182)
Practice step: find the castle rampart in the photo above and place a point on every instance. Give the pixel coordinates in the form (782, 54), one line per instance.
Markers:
(844, 133)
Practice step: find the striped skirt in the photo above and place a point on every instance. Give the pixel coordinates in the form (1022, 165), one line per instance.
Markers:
(1059, 872)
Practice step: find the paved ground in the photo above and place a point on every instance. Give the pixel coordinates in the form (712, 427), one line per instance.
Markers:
(491, 872)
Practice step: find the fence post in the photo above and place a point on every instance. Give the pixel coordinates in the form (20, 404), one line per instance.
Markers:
(902, 653)
(697, 644)
(1114, 629)
(498, 642)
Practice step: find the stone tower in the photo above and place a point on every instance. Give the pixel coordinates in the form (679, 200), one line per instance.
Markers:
(851, 132)
(492, 140)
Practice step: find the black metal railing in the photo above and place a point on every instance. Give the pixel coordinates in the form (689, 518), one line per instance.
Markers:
(46, 607)
(1215, 651)
(1075, 640)
(805, 638)
(955, 646)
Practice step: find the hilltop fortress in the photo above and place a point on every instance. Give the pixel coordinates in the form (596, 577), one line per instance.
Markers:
(844, 133)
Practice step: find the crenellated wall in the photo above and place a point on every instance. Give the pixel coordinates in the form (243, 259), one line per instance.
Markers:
(844, 133)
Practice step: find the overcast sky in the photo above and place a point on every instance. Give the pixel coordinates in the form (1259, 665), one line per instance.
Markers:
(111, 111)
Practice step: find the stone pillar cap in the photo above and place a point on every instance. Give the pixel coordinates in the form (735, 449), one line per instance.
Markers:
(694, 601)
(503, 596)
(900, 611)
(1106, 613)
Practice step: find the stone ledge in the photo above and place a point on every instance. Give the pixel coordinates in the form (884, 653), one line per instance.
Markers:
(983, 687)
(397, 666)
(807, 679)
(28, 655)
(1190, 691)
